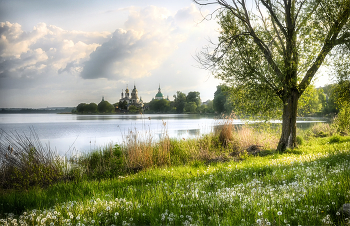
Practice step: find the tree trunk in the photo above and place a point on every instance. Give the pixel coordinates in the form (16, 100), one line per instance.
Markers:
(289, 121)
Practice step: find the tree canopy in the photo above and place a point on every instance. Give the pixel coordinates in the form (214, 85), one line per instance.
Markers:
(105, 107)
(179, 101)
(270, 50)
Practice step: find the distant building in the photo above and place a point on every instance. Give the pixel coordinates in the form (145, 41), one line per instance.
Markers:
(132, 99)
(159, 95)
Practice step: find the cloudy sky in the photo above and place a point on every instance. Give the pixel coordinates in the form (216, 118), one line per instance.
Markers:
(63, 52)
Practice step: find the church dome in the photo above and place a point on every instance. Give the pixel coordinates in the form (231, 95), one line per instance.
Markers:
(159, 94)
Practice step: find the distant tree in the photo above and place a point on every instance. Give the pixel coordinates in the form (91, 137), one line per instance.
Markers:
(105, 107)
(91, 108)
(309, 102)
(81, 108)
(219, 99)
(122, 105)
(330, 107)
(179, 101)
(134, 109)
(210, 106)
(191, 107)
(193, 97)
(162, 105)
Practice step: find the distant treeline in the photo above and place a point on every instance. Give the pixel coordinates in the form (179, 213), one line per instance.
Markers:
(35, 111)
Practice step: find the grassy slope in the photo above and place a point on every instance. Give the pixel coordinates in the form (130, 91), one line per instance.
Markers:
(305, 186)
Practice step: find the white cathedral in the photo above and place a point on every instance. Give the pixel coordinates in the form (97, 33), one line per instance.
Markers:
(133, 99)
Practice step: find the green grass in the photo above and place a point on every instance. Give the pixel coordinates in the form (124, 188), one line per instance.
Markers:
(304, 186)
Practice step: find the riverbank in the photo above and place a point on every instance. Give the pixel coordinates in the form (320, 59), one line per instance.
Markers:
(304, 186)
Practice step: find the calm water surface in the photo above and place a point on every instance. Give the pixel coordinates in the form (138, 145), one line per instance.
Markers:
(66, 133)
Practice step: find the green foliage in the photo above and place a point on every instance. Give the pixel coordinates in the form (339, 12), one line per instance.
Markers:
(92, 108)
(260, 103)
(206, 107)
(342, 120)
(190, 107)
(309, 102)
(193, 97)
(219, 99)
(300, 140)
(134, 109)
(123, 105)
(25, 163)
(322, 130)
(105, 107)
(306, 187)
(81, 108)
(270, 51)
(106, 163)
(179, 101)
(162, 105)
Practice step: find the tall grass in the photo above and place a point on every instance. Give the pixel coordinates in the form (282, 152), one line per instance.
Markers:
(25, 162)
(294, 188)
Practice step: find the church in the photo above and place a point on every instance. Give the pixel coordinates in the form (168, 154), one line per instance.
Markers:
(159, 95)
(132, 99)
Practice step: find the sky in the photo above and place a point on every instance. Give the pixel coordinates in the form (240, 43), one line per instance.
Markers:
(60, 53)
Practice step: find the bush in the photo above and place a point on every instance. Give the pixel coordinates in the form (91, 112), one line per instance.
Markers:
(342, 120)
(322, 130)
(335, 139)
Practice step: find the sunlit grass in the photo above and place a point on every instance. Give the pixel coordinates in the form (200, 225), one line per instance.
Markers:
(304, 186)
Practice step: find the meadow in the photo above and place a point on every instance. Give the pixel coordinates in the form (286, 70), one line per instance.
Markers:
(213, 180)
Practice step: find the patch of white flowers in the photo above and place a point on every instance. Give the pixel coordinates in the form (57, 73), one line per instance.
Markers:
(249, 199)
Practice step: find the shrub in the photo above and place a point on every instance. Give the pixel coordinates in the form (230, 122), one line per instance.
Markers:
(322, 130)
(342, 120)
(335, 139)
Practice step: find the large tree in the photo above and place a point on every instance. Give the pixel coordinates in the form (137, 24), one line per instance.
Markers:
(271, 50)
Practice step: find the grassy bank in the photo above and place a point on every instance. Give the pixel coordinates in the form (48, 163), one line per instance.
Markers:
(207, 181)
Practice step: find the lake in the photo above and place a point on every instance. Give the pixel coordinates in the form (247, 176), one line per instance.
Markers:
(68, 132)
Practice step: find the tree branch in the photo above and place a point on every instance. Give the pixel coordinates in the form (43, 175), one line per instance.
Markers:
(273, 15)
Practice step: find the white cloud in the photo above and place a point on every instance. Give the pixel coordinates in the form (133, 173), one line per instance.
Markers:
(21, 53)
(154, 46)
(148, 39)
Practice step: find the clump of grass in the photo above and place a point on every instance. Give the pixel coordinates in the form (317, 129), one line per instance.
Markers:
(25, 162)
(323, 130)
(100, 164)
(142, 152)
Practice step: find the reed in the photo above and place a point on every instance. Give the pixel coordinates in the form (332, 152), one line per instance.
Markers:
(25, 162)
